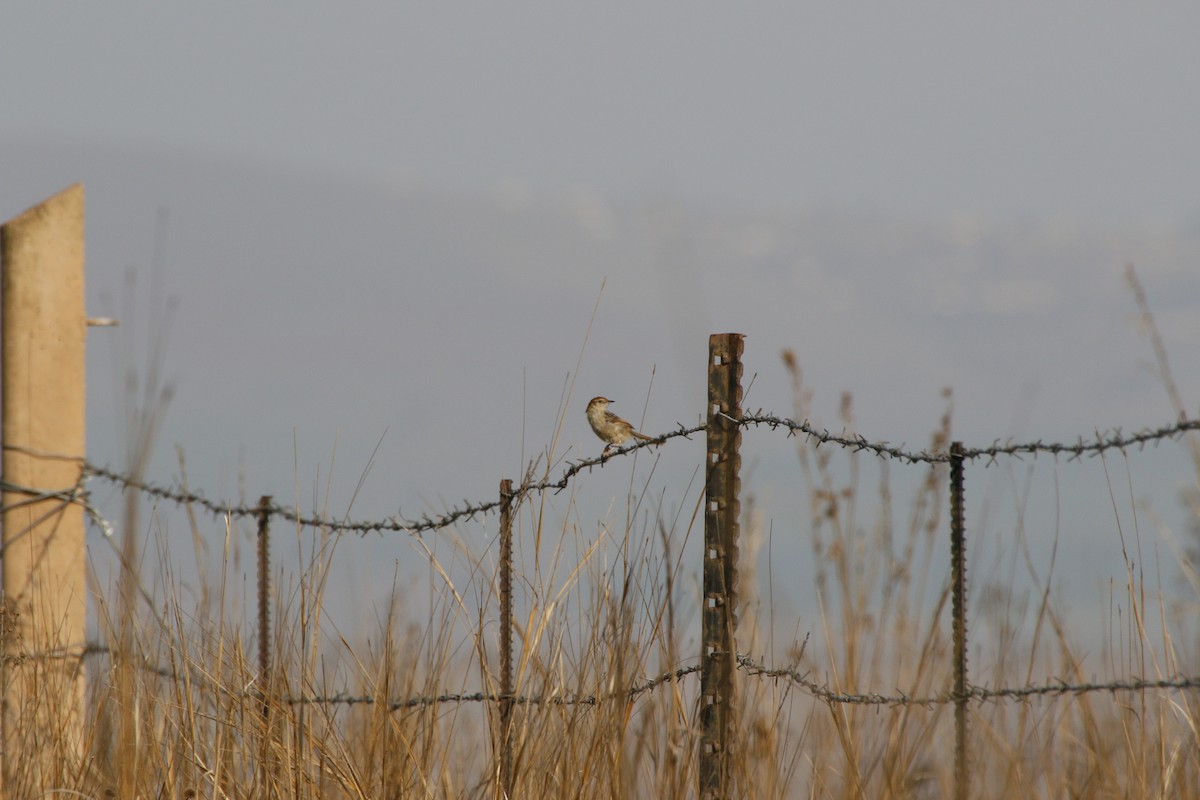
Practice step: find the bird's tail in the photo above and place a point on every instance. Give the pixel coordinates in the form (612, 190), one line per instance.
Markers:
(642, 436)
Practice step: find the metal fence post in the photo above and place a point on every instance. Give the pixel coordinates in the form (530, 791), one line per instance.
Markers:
(506, 687)
(721, 509)
(958, 609)
(264, 591)
(268, 758)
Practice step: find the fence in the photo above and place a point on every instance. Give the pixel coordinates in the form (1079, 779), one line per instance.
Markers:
(721, 657)
(43, 249)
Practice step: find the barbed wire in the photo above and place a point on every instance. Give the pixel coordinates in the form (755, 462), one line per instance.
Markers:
(1132, 684)
(346, 698)
(1095, 446)
(469, 510)
(74, 494)
(1115, 440)
(745, 663)
(567, 699)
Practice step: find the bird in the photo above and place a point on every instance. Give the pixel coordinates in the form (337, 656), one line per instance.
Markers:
(608, 426)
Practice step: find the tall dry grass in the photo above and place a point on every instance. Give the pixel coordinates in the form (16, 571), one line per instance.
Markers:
(179, 709)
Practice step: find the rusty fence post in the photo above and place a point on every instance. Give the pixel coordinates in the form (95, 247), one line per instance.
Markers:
(721, 509)
(268, 763)
(264, 591)
(506, 687)
(958, 609)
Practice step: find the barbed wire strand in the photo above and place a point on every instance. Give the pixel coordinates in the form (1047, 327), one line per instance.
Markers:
(76, 494)
(746, 664)
(1101, 443)
(1133, 684)
(1091, 447)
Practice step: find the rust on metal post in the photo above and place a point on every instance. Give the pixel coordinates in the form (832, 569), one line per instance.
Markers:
(721, 511)
(958, 609)
(506, 687)
(268, 758)
(264, 588)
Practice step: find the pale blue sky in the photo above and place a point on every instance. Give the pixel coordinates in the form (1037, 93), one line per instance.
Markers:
(397, 217)
(917, 108)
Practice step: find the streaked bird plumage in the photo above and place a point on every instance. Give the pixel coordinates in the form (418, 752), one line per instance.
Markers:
(611, 429)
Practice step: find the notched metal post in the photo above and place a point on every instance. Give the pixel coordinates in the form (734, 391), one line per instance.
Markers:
(264, 590)
(958, 609)
(721, 512)
(506, 687)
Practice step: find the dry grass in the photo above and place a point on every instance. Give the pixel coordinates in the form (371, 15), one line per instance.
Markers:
(178, 708)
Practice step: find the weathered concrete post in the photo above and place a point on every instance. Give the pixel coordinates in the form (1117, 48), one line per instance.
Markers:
(44, 328)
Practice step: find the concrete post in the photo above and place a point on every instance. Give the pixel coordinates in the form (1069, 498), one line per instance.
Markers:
(44, 327)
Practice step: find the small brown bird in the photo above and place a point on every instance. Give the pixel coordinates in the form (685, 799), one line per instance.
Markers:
(608, 426)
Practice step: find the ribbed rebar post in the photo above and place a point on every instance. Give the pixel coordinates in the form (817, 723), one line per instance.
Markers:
(268, 760)
(958, 609)
(506, 687)
(264, 589)
(721, 510)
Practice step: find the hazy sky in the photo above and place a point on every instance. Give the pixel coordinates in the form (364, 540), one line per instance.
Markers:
(916, 108)
(398, 217)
